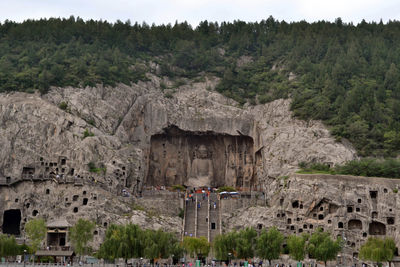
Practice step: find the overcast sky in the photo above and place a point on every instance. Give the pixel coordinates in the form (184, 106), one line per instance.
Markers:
(194, 11)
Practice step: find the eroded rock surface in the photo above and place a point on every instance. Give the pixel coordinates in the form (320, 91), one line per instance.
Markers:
(111, 140)
(353, 208)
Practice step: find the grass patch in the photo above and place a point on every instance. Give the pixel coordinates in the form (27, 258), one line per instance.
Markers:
(136, 206)
(178, 187)
(93, 168)
(227, 189)
(87, 133)
(63, 105)
(369, 167)
(314, 172)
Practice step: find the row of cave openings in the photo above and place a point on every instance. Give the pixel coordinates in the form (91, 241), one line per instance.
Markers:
(12, 217)
(60, 168)
(375, 228)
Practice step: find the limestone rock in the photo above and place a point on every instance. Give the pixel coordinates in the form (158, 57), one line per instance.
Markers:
(103, 142)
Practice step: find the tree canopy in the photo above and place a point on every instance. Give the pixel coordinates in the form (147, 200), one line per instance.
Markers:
(378, 250)
(346, 75)
(9, 246)
(297, 246)
(269, 244)
(130, 241)
(196, 246)
(122, 241)
(36, 232)
(81, 234)
(224, 244)
(322, 247)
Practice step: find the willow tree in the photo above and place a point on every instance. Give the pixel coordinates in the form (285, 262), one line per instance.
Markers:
(160, 245)
(245, 243)
(269, 244)
(225, 245)
(297, 246)
(9, 246)
(321, 246)
(36, 232)
(378, 250)
(122, 241)
(196, 246)
(81, 234)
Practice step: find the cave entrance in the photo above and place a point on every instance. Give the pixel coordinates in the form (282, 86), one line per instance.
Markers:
(11, 222)
(201, 159)
(377, 228)
(355, 225)
(28, 172)
(56, 239)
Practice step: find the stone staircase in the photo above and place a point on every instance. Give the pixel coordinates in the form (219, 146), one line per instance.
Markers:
(190, 214)
(203, 221)
(214, 216)
(202, 214)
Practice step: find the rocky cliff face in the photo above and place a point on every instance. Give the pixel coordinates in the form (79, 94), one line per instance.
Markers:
(103, 137)
(353, 208)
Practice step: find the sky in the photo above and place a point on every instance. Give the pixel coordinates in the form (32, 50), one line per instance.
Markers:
(194, 11)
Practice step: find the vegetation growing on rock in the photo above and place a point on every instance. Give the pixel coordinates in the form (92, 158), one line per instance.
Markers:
(389, 168)
(346, 75)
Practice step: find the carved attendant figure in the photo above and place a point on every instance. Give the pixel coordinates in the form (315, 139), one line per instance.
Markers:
(248, 172)
(154, 170)
(230, 173)
(202, 171)
(171, 175)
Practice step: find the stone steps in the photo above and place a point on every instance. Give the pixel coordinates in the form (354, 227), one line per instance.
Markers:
(190, 218)
(214, 217)
(202, 213)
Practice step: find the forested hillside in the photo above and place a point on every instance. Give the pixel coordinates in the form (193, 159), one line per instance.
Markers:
(346, 75)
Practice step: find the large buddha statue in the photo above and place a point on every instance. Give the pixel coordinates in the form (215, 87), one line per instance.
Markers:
(202, 171)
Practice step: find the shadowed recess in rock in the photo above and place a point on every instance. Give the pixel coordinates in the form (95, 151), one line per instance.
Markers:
(11, 222)
(201, 159)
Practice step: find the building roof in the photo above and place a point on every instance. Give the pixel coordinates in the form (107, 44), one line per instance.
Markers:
(56, 253)
(58, 224)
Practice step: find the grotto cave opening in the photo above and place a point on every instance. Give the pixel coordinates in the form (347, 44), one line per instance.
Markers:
(11, 222)
(201, 159)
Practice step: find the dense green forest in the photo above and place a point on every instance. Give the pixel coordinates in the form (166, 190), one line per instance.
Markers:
(346, 75)
(370, 167)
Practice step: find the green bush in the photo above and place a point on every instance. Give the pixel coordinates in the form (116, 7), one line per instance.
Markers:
(91, 121)
(63, 105)
(93, 168)
(226, 188)
(181, 213)
(163, 86)
(46, 259)
(87, 133)
(389, 168)
(264, 99)
(169, 95)
(310, 167)
(178, 187)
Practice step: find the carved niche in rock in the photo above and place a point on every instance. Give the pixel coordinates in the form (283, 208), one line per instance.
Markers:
(354, 224)
(200, 159)
(202, 169)
(377, 228)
